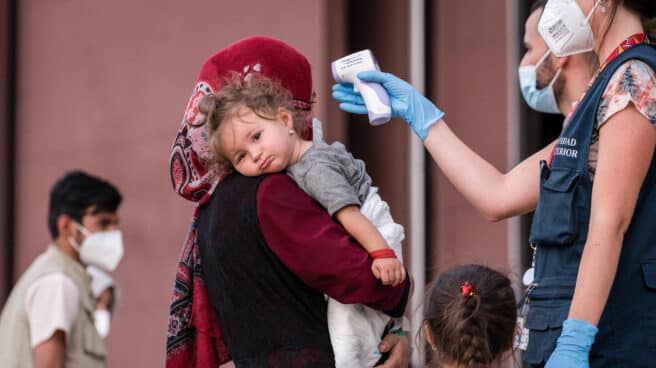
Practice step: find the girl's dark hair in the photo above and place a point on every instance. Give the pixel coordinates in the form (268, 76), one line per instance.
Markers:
(471, 329)
(257, 93)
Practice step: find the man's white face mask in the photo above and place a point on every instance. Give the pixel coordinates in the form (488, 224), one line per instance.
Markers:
(565, 29)
(103, 249)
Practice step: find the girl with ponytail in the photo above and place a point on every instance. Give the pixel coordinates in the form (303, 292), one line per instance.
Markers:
(469, 317)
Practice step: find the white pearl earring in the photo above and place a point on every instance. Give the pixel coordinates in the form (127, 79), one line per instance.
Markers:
(291, 132)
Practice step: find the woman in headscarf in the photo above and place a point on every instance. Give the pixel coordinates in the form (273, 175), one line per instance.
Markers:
(247, 266)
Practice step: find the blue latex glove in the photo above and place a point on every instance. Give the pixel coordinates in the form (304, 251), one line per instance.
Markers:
(573, 345)
(407, 103)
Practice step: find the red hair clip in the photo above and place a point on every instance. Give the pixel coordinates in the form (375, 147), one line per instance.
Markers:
(467, 289)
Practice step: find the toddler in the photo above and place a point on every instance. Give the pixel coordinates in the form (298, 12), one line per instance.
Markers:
(255, 130)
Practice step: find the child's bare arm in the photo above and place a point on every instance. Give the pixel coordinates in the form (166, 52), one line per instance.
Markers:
(389, 270)
(361, 228)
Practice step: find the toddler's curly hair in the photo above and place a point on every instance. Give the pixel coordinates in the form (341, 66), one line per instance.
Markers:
(257, 93)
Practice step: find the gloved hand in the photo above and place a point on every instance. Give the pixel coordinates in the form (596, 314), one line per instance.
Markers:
(406, 102)
(573, 345)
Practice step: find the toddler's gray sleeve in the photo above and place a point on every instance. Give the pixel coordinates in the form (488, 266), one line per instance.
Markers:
(326, 183)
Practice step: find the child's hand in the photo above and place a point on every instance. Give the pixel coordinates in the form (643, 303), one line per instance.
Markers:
(389, 271)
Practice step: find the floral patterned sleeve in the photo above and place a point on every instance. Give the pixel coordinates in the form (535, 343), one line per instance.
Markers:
(633, 82)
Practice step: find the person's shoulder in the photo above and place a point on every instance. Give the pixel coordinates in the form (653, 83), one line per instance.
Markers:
(276, 182)
(56, 280)
(643, 69)
(280, 191)
(322, 150)
(47, 267)
(640, 65)
(635, 71)
(335, 152)
(234, 183)
(337, 146)
(53, 286)
(319, 157)
(632, 82)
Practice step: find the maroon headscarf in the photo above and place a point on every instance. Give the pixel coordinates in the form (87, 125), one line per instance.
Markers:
(194, 338)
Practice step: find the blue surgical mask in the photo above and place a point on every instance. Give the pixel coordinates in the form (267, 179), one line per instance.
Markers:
(542, 100)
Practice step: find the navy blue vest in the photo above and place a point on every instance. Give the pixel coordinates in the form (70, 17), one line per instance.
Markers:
(627, 329)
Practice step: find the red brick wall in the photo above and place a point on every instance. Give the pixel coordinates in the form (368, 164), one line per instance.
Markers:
(469, 82)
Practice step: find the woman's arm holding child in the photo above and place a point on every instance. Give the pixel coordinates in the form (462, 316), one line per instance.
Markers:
(314, 247)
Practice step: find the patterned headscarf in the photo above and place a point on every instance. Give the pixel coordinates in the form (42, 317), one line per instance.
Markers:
(194, 338)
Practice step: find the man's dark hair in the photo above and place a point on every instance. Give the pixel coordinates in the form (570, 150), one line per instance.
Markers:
(76, 193)
(537, 5)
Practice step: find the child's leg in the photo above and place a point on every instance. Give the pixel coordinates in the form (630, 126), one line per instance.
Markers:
(355, 329)
(354, 334)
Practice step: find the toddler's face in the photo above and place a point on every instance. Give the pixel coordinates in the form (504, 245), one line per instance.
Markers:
(255, 145)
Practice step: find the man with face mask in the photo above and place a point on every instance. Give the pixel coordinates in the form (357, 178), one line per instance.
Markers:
(48, 319)
(548, 83)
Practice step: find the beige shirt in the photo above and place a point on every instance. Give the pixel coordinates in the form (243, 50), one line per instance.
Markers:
(52, 303)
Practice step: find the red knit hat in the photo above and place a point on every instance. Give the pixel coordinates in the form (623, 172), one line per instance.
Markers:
(268, 56)
(191, 176)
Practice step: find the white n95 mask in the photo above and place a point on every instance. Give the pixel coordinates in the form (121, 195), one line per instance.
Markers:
(103, 249)
(565, 29)
(102, 319)
(542, 100)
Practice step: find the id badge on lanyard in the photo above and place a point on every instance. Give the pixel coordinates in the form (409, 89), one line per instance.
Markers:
(522, 333)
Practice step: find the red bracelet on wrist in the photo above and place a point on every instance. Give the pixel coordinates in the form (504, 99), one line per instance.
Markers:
(382, 253)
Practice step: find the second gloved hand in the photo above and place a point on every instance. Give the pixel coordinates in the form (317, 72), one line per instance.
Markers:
(406, 102)
(573, 345)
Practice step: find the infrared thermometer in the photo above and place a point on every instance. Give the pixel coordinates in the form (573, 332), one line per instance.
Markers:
(374, 95)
